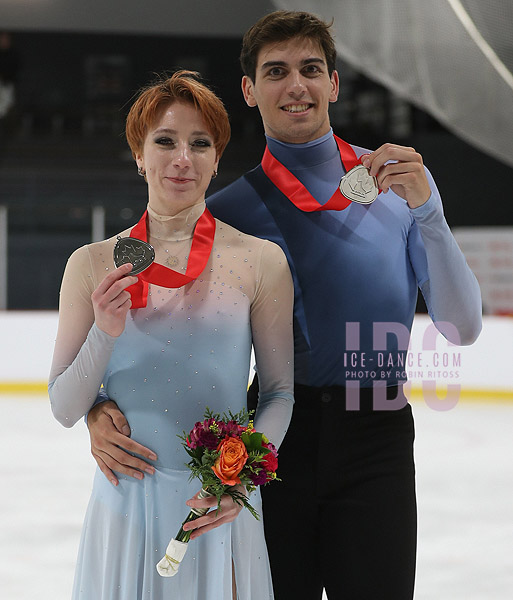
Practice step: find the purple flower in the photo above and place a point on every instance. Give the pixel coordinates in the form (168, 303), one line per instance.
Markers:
(272, 448)
(230, 429)
(259, 478)
(203, 434)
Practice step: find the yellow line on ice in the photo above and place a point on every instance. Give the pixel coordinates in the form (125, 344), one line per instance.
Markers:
(23, 387)
(467, 394)
(415, 394)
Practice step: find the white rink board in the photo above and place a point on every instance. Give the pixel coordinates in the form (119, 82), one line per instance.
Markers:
(27, 340)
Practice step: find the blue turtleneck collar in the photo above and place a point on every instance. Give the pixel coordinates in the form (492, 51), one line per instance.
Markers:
(316, 164)
(304, 156)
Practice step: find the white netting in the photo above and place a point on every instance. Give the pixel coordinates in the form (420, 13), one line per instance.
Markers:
(452, 58)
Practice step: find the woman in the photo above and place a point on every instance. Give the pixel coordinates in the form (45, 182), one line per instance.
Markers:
(185, 346)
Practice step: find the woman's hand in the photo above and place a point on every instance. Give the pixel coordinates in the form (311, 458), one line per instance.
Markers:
(111, 301)
(228, 512)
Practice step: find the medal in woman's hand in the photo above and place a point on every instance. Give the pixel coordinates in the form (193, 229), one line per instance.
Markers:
(131, 250)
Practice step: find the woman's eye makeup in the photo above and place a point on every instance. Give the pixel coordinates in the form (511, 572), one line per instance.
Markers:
(164, 141)
(202, 143)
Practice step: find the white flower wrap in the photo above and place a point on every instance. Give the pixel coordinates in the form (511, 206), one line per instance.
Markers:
(175, 552)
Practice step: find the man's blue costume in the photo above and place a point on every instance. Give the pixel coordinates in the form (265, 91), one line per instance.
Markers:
(356, 272)
(361, 265)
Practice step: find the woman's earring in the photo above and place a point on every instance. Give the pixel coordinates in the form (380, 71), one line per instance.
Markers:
(214, 174)
(141, 172)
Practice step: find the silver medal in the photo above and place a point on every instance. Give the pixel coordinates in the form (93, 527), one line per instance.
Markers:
(131, 250)
(359, 186)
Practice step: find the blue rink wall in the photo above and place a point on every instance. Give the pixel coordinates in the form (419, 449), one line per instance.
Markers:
(440, 372)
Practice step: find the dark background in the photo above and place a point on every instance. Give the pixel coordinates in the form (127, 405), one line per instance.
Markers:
(62, 149)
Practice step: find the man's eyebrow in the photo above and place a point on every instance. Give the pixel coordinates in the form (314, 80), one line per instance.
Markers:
(273, 63)
(282, 63)
(314, 59)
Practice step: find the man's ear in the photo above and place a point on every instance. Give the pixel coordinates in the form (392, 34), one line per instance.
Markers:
(334, 86)
(247, 91)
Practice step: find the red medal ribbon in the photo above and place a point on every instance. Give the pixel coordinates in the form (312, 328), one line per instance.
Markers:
(157, 274)
(296, 192)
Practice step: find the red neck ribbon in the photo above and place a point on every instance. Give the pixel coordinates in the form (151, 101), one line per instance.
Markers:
(202, 243)
(296, 192)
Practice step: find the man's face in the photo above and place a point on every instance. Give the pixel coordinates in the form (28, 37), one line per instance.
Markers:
(292, 90)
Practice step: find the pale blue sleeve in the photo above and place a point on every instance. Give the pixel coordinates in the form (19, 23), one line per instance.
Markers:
(271, 326)
(73, 391)
(449, 287)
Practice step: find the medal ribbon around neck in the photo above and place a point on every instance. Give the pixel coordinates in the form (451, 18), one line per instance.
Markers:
(296, 192)
(157, 274)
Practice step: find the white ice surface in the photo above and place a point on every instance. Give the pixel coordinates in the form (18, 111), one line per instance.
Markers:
(464, 481)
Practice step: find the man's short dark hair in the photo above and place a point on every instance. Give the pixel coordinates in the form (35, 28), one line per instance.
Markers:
(283, 25)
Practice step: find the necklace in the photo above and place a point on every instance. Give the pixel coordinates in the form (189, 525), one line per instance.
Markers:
(171, 260)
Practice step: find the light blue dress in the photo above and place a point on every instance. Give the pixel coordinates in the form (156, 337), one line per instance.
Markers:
(188, 349)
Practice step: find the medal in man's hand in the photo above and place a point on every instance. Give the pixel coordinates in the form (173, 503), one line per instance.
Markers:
(358, 185)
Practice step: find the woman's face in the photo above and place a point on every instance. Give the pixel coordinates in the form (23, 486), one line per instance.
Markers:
(179, 158)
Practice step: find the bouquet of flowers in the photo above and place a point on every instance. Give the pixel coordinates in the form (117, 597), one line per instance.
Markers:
(224, 453)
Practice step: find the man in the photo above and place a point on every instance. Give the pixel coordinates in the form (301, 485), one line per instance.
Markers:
(344, 516)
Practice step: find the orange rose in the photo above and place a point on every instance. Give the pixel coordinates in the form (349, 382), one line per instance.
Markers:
(232, 459)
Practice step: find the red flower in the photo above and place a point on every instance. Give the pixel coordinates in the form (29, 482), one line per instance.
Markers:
(270, 463)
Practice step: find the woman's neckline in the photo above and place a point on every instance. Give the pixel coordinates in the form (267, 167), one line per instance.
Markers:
(174, 227)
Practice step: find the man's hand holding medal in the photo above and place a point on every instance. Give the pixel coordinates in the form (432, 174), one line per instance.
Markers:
(400, 169)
